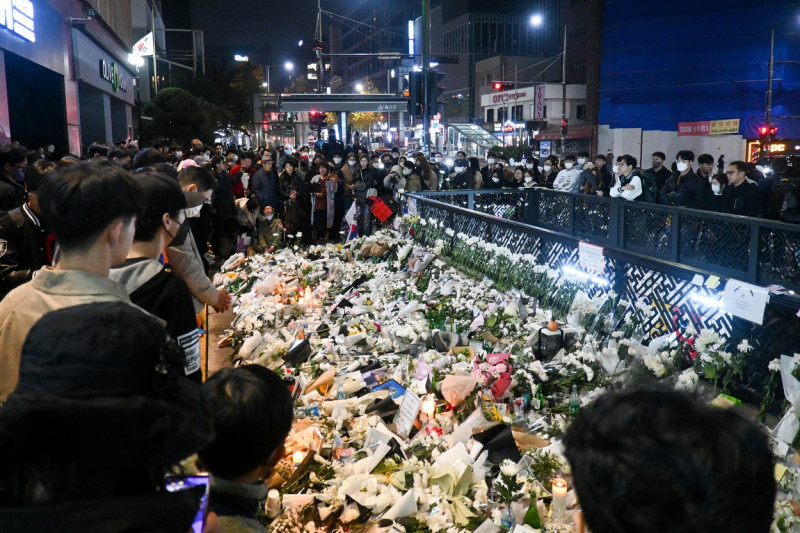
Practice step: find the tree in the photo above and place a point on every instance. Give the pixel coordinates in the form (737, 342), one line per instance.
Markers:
(362, 121)
(177, 116)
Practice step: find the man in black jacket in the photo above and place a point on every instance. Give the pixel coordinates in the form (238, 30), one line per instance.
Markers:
(26, 245)
(13, 161)
(741, 196)
(683, 188)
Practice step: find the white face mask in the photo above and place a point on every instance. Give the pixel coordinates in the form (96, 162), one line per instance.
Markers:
(178, 154)
(682, 166)
(192, 212)
(406, 171)
(496, 180)
(351, 162)
(490, 161)
(615, 169)
(50, 148)
(581, 160)
(568, 165)
(207, 157)
(287, 151)
(528, 179)
(337, 160)
(437, 159)
(511, 162)
(269, 217)
(459, 170)
(715, 188)
(529, 165)
(547, 168)
(378, 165)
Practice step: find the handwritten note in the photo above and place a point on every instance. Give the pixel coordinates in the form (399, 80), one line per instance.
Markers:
(407, 414)
(590, 256)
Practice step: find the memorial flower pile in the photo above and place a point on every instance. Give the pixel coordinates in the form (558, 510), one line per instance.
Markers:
(431, 372)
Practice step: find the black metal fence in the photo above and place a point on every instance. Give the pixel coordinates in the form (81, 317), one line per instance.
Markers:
(671, 239)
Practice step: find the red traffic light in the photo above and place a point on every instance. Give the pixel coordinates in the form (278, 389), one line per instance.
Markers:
(763, 131)
(497, 86)
(312, 113)
(773, 130)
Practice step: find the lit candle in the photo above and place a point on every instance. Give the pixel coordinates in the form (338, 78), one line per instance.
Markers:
(428, 407)
(298, 457)
(559, 499)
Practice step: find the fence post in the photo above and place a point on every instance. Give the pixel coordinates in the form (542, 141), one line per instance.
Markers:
(532, 209)
(754, 257)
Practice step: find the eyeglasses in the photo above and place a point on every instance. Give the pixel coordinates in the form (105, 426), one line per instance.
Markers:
(732, 172)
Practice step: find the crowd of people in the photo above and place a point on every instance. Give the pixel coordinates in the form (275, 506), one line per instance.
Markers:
(101, 390)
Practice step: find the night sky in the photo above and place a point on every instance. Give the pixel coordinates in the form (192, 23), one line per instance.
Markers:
(280, 25)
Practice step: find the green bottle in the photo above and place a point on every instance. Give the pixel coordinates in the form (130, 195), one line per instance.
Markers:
(532, 517)
(574, 402)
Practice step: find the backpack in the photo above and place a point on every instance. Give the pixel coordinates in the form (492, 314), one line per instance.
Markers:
(649, 188)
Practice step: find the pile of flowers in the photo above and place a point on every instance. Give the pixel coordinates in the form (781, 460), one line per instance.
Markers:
(489, 342)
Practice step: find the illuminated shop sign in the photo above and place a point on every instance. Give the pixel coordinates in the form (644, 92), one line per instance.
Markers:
(110, 73)
(17, 17)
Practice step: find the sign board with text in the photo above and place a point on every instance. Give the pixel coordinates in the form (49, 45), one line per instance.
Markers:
(709, 127)
(590, 256)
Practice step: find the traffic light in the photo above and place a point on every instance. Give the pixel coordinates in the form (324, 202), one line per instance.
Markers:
(316, 120)
(563, 127)
(767, 131)
(416, 93)
(502, 86)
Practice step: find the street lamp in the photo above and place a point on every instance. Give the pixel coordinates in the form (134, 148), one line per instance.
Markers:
(287, 65)
(537, 20)
(359, 87)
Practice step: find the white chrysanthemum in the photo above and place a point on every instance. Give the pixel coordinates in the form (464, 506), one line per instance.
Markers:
(744, 346)
(706, 339)
(508, 468)
(774, 365)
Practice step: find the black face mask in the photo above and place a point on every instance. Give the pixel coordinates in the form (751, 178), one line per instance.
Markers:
(179, 238)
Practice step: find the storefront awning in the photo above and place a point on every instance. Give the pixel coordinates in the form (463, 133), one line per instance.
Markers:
(476, 134)
(553, 132)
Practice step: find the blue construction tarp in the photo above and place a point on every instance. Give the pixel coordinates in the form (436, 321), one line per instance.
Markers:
(695, 60)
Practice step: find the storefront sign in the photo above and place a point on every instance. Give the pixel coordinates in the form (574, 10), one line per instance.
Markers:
(709, 127)
(505, 97)
(110, 73)
(509, 127)
(538, 111)
(545, 149)
(17, 17)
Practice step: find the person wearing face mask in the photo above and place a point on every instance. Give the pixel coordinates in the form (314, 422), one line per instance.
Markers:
(549, 172)
(658, 169)
(223, 214)
(683, 188)
(348, 175)
(185, 257)
(461, 178)
(427, 173)
(332, 145)
(270, 231)
(322, 189)
(265, 182)
(294, 195)
(528, 180)
(486, 171)
(242, 174)
(29, 244)
(718, 184)
(568, 179)
(155, 287)
(13, 162)
(408, 179)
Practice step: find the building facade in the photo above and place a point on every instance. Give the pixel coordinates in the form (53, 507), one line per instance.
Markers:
(64, 76)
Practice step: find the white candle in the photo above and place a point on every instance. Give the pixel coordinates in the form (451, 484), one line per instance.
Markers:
(273, 505)
(559, 499)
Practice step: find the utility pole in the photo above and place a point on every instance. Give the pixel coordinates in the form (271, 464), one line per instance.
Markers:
(318, 47)
(155, 46)
(768, 111)
(564, 92)
(426, 67)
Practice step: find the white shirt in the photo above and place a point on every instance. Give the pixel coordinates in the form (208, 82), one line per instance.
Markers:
(568, 180)
(629, 194)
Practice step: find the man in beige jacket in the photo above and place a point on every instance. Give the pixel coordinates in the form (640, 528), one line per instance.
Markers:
(92, 207)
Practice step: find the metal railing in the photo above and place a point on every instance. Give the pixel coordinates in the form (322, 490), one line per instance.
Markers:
(672, 239)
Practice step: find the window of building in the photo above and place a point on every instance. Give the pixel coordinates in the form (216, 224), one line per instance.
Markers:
(581, 112)
(517, 113)
(490, 115)
(544, 111)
